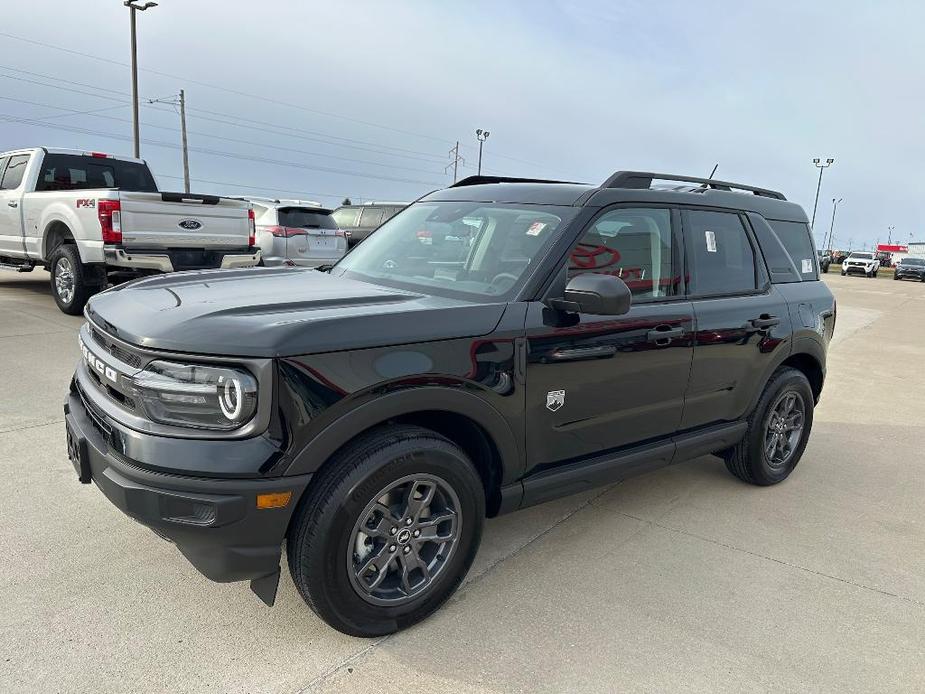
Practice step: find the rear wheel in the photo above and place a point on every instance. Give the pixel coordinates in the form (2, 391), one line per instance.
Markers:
(69, 280)
(387, 531)
(778, 430)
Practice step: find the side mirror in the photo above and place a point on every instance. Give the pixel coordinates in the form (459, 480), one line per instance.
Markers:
(600, 295)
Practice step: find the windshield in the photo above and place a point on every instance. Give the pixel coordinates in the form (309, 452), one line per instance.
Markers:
(302, 217)
(458, 248)
(862, 256)
(912, 261)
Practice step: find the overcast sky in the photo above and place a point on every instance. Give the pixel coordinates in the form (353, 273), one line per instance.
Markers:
(323, 100)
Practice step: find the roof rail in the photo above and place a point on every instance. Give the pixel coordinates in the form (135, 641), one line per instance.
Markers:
(643, 180)
(480, 180)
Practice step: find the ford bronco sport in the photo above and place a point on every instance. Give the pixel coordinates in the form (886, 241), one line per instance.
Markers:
(541, 338)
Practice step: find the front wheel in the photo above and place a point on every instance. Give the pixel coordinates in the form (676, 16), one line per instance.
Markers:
(777, 432)
(843, 273)
(387, 530)
(69, 276)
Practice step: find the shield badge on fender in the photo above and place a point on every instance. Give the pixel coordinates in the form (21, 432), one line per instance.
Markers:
(555, 399)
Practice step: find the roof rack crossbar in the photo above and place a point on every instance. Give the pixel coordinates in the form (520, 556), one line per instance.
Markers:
(480, 180)
(643, 180)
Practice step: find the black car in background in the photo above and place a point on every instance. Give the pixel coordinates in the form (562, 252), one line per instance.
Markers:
(910, 269)
(359, 221)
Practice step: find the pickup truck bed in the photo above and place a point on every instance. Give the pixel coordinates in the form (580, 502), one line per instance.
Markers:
(116, 223)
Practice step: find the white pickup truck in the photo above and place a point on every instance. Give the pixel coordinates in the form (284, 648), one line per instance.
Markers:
(91, 219)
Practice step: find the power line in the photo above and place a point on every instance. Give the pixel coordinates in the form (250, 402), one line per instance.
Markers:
(216, 137)
(213, 152)
(433, 157)
(278, 190)
(254, 96)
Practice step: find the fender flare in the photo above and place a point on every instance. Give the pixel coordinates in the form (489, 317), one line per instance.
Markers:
(47, 223)
(405, 402)
(801, 345)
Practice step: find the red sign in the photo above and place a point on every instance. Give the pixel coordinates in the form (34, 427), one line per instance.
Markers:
(892, 248)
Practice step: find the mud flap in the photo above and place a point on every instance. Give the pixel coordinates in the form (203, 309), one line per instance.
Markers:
(265, 587)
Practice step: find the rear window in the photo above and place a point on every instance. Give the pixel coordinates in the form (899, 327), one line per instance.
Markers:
(75, 172)
(305, 218)
(346, 217)
(798, 242)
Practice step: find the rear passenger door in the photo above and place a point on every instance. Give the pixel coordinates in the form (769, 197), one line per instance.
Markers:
(742, 321)
(11, 228)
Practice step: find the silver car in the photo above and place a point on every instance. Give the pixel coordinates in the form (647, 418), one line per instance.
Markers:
(297, 232)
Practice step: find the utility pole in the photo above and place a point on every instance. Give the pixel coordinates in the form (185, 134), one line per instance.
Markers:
(130, 4)
(822, 166)
(481, 135)
(889, 235)
(181, 102)
(456, 161)
(832, 228)
(183, 138)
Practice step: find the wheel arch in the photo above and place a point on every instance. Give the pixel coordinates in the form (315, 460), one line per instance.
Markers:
(464, 418)
(56, 232)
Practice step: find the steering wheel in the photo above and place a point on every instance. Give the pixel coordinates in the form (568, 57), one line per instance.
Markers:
(501, 277)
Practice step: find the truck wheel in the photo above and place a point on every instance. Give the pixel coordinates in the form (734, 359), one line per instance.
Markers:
(69, 280)
(387, 530)
(778, 430)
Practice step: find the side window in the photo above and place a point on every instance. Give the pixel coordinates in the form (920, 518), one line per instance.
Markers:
(370, 217)
(721, 256)
(346, 217)
(636, 245)
(3, 161)
(796, 238)
(15, 171)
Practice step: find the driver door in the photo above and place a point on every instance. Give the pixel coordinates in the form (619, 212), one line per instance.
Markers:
(609, 382)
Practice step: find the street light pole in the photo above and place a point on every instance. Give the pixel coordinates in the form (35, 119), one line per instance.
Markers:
(132, 7)
(832, 228)
(481, 135)
(822, 166)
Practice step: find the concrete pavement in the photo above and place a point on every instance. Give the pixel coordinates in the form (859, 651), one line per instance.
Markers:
(681, 580)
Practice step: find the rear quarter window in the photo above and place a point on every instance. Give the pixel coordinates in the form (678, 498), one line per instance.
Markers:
(797, 240)
(371, 217)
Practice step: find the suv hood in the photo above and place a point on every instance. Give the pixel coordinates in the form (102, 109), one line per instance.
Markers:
(261, 312)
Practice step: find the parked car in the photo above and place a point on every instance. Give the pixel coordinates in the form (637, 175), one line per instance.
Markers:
(297, 232)
(825, 260)
(861, 262)
(359, 221)
(373, 415)
(910, 268)
(87, 217)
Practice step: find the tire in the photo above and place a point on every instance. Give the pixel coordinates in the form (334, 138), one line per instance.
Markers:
(843, 273)
(825, 269)
(326, 534)
(895, 276)
(69, 285)
(749, 460)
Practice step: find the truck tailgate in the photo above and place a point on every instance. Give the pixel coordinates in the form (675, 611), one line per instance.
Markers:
(178, 220)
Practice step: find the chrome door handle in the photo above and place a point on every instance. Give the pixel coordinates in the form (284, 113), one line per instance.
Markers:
(664, 335)
(12, 203)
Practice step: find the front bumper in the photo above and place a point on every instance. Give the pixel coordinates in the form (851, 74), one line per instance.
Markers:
(860, 269)
(910, 274)
(168, 262)
(214, 522)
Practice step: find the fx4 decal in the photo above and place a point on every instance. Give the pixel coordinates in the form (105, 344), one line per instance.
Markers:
(86, 202)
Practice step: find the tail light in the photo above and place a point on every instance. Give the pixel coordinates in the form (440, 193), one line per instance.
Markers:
(341, 233)
(251, 228)
(109, 213)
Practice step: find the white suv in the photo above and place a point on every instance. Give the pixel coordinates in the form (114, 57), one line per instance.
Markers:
(860, 261)
(297, 232)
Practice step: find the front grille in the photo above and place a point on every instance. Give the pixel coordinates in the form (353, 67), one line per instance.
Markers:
(115, 350)
(96, 417)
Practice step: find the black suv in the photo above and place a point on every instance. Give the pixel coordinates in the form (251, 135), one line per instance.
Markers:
(910, 268)
(497, 344)
(359, 221)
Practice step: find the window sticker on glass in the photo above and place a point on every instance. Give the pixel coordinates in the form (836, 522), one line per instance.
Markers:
(536, 228)
(710, 236)
(807, 266)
